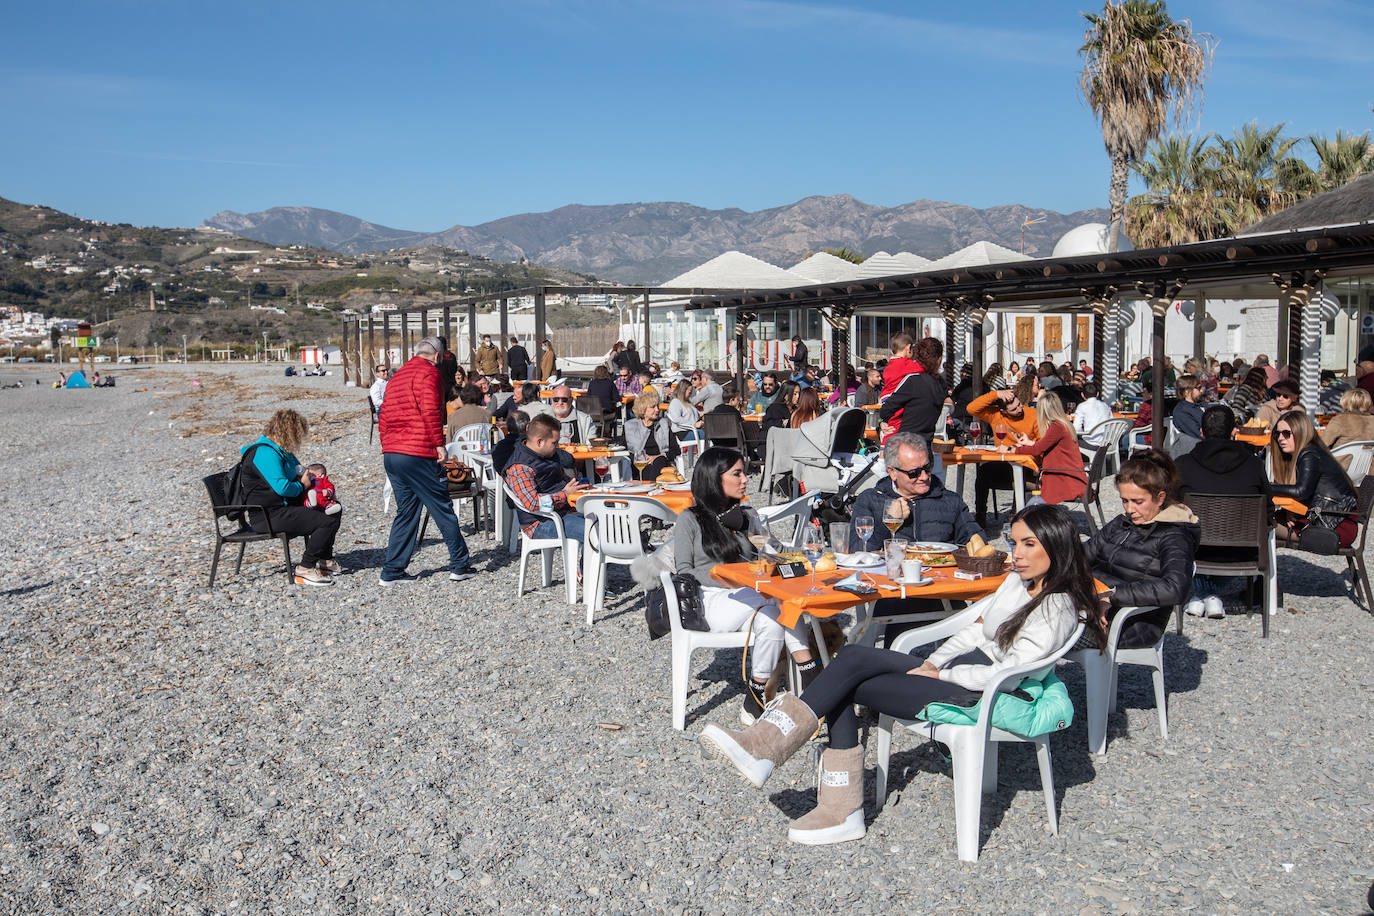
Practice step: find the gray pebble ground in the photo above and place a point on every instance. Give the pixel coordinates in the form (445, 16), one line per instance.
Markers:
(440, 748)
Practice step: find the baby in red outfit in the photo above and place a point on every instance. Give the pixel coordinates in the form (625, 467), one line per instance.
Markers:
(898, 367)
(321, 492)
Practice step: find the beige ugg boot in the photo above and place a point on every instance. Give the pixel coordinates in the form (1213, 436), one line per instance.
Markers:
(786, 724)
(839, 812)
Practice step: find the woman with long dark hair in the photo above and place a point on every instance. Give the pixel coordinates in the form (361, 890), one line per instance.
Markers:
(916, 403)
(716, 530)
(1030, 617)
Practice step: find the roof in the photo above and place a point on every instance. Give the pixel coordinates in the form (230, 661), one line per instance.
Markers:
(882, 264)
(979, 254)
(1216, 266)
(736, 270)
(1352, 202)
(824, 267)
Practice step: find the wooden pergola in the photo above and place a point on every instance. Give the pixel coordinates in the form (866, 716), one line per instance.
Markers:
(1289, 265)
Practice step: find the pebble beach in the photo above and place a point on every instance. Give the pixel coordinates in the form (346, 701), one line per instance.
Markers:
(443, 747)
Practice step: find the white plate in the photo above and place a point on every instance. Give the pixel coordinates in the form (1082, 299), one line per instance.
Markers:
(932, 546)
(678, 487)
(915, 583)
(873, 561)
(633, 488)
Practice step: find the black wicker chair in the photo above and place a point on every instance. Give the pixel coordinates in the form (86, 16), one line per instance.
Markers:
(373, 409)
(1232, 520)
(217, 486)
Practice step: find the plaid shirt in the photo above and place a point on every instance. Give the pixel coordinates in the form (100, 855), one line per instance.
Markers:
(633, 386)
(521, 481)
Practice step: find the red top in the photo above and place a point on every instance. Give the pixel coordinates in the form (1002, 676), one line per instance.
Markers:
(1062, 478)
(411, 421)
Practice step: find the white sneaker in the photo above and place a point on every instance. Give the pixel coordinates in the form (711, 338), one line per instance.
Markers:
(1211, 607)
(1193, 608)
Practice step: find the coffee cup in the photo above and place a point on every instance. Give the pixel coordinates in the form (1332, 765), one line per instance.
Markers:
(912, 571)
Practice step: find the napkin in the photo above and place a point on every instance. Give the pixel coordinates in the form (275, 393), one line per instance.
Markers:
(856, 579)
(859, 559)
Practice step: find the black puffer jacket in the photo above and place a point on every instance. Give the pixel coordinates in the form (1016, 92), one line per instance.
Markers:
(1149, 565)
(920, 399)
(1320, 484)
(940, 515)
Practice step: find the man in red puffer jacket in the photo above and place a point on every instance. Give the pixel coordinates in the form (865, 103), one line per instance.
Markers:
(411, 428)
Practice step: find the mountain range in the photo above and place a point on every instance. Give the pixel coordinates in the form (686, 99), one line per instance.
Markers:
(653, 242)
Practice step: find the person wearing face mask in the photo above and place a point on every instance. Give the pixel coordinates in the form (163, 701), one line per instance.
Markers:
(1146, 553)
(548, 361)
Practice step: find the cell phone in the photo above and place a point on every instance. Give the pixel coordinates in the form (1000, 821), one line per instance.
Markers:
(856, 589)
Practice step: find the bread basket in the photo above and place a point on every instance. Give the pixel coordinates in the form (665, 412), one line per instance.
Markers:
(987, 566)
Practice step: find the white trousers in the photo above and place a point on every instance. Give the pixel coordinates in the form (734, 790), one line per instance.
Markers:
(728, 610)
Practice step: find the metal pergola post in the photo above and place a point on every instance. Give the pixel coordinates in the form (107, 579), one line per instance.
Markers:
(386, 338)
(472, 334)
(371, 349)
(505, 334)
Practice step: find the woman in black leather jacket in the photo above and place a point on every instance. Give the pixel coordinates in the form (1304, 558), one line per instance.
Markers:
(1304, 470)
(1146, 552)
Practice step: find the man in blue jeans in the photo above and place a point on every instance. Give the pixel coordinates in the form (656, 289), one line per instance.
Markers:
(540, 481)
(411, 429)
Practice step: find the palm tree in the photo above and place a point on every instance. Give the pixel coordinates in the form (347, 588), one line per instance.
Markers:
(1341, 160)
(1178, 205)
(1141, 70)
(1254, 174)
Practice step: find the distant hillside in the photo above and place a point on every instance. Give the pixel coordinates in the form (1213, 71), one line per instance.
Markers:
(212, 286)
(652, 242)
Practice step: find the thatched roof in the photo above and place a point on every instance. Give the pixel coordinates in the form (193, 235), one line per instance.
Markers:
(1350, 203)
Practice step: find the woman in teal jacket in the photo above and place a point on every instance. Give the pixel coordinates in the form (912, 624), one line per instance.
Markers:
(273, 478)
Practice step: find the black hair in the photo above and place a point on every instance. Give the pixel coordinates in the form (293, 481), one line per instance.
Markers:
(786, 390)
(1089, 390)
(1069, 574)
(517, 421)
(1217, 422)
(710, 502)
(529, 392)
(772, 375)
(545, 422)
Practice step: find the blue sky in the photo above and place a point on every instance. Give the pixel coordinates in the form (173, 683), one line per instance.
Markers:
(420, 116)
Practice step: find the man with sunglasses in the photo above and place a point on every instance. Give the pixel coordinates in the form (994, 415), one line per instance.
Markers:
(932, 512)
(575, 423)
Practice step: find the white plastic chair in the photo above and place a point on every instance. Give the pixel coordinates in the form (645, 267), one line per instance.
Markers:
(799, 508)
(1109, 433)
(545, 548)
(691, 448)
(1099, 674)
(612, 536)
(973, 748)
(1360, 454)
(474, 436)
(685, 642)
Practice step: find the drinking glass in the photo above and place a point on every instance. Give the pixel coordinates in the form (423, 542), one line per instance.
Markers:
(893, 515)
(602, 466)
(839, 537)
(894, 552)
(813, 548)
(863, 527)
(760, 542)
(641, 461)
(975, 429)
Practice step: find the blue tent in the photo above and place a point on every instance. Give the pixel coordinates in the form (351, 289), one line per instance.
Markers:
(77, 380)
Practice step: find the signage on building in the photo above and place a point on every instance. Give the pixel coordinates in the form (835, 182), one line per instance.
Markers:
(1367, 324)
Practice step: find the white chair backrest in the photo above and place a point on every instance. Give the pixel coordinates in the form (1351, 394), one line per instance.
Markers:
(799, 508)
(1360, 454)
(665, 579)
(472, 436)
(942, 424)
(613, 523)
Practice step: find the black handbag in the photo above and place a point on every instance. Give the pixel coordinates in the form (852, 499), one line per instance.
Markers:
(689, 603)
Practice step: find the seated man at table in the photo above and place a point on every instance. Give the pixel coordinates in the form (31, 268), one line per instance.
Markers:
(536, 475)
(931, 512)
(1089, 415)
(1219, 464)
(576, 423)
(706, 394)
(1009, 409)
(762, 399)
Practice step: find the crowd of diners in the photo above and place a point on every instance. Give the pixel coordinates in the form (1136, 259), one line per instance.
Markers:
(1144, 555)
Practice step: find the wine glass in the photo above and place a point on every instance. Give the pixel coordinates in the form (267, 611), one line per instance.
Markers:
(760, 542)
(893, 515)
(863, 527)
(975, 429)
(602, 467)
(813, 548)
(641, 461)
(1002, 433)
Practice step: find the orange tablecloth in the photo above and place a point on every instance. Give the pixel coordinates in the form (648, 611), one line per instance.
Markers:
(980, 456)
(1257, 439)
(788, 592)
(547, 393)
(583, 453)
(677, 500)
(1291, 504)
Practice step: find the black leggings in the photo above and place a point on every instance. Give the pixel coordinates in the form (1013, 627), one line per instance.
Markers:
(318, 528)
(878, 679)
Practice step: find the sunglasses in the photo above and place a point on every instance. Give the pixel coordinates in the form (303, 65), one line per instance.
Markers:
(562, 400)
(1284, 433)
(913, 473)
